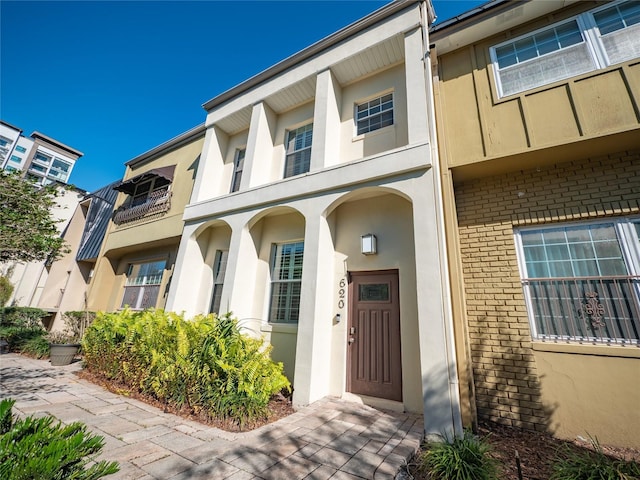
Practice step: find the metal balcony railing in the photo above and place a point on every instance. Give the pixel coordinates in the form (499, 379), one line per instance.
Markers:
(157, 203)
(586, 309)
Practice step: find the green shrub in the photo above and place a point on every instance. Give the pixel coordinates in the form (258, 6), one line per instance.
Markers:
(204, 364)
(36, 347)
(6, 289)
(33, 448)
(464, 458)
(592, 465)
(20, 326)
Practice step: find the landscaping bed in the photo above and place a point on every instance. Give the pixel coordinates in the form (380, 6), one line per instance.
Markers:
(537, 452)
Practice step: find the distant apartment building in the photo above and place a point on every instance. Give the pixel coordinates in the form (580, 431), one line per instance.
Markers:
(42, 159)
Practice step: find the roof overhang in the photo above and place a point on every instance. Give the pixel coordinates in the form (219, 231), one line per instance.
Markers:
(129, 186)
(489, 19)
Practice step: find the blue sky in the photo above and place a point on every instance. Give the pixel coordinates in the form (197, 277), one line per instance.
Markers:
(115, 79)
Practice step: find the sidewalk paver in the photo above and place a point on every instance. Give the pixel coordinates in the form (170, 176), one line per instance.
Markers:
(330, 439)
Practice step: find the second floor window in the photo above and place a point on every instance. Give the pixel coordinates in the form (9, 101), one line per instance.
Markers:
(298, 146)
(145, 190)
(238, 165)
(374, 114)
(592, 40)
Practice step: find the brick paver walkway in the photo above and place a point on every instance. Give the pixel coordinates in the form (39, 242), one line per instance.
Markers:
(331, 438)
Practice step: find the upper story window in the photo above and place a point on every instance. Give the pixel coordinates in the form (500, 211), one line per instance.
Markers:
(3, 142)
(286, 282)
(298, 146)
(15, 158)
(582, 281)
(238, 165)
(374, 114)
(592, 40)
(60, 170)
(42, 158)
(148, 192)
(20, 149)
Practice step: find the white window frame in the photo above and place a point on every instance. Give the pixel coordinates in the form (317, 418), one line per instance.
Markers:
(369, 116)
(291, 151)
(238, 167)
(629, 244)
(591, 37)
(289, 319)
(152, 189)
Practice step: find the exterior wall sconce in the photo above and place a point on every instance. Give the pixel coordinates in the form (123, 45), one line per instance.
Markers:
(368, 244)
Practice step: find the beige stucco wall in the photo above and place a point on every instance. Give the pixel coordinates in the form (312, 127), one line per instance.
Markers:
(147, 239)
(578, 382)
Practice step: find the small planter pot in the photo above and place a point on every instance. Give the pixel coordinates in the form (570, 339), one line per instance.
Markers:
(63, 353)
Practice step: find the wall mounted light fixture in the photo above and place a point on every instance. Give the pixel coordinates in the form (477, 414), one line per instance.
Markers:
(368, 244)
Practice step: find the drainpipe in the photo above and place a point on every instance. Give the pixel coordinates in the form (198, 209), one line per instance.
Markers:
(454, 389)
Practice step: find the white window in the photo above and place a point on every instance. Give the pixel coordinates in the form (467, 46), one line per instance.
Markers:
(298, 146)
(238, 165)
(219, 269)
(20, 149)
(592, 40)
(42, 158)
(582, 281)
(374, 114)
(286, 281)
(59, 170)
(143, 285)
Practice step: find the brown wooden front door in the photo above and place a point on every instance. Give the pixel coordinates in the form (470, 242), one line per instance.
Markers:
(373, 335)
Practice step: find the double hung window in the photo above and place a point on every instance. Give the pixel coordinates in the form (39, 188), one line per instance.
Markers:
(148, 190)
(143, 285)
(286, 281)
(238, 165)
(219, 269)
(298, 147)
(374, 114)
(595, 39)
(582, 281)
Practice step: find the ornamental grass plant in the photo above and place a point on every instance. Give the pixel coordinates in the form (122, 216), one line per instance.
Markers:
(592, 465)
(205, 364)
(465, 457)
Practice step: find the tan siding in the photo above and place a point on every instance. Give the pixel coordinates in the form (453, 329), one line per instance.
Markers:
(507, 382)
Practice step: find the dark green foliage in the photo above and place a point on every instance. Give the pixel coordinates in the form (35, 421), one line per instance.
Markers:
(28, 230)
(6, 289)
(22, 326)
(36, 347)
(36, 448)
(464, 458)
(592, 465)
(204, 364)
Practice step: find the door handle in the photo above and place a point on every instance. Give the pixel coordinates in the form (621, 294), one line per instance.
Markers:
(351, 340)
(352, 330)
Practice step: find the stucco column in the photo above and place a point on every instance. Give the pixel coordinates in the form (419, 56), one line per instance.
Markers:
(313, 348)
(258, 157)
(183, 292)
(440, 392)
(239, 282)
(210, 166)
(417, 123)
(325, 150)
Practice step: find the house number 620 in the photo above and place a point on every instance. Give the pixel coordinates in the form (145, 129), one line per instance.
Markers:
(343, 284)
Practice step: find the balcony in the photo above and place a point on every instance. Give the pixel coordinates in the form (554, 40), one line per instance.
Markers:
(157, 203)
(586, 309)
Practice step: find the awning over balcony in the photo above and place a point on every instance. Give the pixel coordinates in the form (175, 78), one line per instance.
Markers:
(129, 186)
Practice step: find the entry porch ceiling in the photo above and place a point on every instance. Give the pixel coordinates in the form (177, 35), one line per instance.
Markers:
(348, 70)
